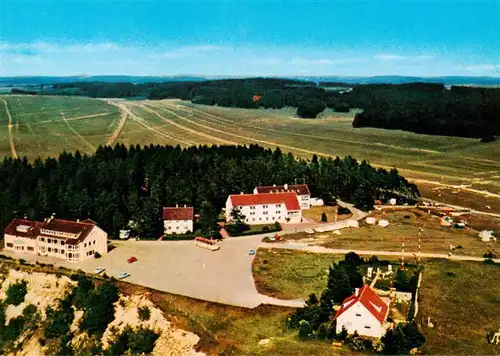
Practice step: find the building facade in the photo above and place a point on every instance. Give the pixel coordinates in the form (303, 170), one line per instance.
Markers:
(178, 220)
(265, 208)
(302, 191)
(73, 241)
(364, 312)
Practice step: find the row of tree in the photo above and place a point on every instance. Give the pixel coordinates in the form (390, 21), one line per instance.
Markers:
(117, 185)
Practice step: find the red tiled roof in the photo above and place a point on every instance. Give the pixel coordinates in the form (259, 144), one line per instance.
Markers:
(72, 227)
(370, 301)
(184, 213)
(289, 199)
(300, 189)
(11, 229)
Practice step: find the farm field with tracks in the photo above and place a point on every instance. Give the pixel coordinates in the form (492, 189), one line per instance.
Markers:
(44, 126)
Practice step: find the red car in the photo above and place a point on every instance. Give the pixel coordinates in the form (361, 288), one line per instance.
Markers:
(132, 259)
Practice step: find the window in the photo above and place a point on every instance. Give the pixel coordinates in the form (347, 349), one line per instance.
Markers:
(62, 243)
(305, 197)
(278, 211)
(264, 206)
(252, 207)
(49, 249)
(56, 250)
(278, 205)
(31, 249)
(9, 244)
(367, 327)
(264, 212)
(358, 314)
(94, 242)
(42, 249)
(253, 219)
(267, 218)
(42, 239)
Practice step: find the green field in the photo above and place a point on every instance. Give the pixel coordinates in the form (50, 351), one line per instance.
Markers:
(39, 129)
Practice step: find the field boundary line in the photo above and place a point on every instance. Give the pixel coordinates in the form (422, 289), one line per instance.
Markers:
(173, 123)
(33, 134)
(119, 128)
(376, 144)
(144, 123)
(76, 132)
(269, 143)
(11, 136)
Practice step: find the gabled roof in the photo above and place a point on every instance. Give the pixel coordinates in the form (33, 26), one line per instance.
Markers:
(300, 189)
(289, 199)
(32, 232)
(370, 301)
(183, 213)
(82, 229)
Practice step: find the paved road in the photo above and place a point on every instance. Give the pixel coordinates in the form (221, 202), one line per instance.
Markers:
(223, 276)
(321, 249)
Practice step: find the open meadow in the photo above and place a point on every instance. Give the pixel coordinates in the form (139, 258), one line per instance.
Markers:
(45, 125)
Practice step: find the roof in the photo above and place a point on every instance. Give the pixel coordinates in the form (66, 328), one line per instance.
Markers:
(82, 229)
(289, 199)
(32, 233)
(300, 189)
(370, 301)
(184, 213)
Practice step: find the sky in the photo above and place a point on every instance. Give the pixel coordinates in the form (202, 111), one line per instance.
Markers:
(250, 38)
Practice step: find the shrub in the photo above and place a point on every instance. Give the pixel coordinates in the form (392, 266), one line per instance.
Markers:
(489, 255)
(97, 255)
(322, 332)
(266, 229)
(342, 335)
(16, 293)
(144, 313)
(134, 341)
(343, 210)
(97, 307)
(22, 261)
(305, 330)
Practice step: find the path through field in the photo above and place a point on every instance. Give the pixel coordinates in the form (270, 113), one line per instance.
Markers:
(76, 133)
(119, 128)
(11, 136)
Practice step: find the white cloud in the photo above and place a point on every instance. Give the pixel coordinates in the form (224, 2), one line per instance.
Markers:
(394, 57)
(479, 68)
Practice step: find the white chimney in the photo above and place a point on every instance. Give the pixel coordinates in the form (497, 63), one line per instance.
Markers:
(356, 292)
(285, 186)
(78, 220)
(176, 205)
(274, 185)
(241, 193)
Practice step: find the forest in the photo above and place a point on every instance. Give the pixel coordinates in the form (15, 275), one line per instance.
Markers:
(120, 184)
(418, 107)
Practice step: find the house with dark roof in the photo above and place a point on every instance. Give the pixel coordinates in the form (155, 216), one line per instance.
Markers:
(265, 208)
(302, 191)
(72, 241)
(363, 312)
(178, 220)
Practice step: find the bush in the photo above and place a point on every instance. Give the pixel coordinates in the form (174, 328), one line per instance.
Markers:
(266, 229)
(489, 255)
(134, 341)
(97, 255)
(343, 210)
(16, 293)
(342, 335)
(144, 313)
(97, 307)
(305, 330)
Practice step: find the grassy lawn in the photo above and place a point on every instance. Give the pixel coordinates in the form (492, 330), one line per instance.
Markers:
(289, 274)
(315, 212)
(404, 226)
(462, 300)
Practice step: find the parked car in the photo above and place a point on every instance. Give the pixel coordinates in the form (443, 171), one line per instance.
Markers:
(99, 270)
(251, 252)
(132, 259)
(123, 275)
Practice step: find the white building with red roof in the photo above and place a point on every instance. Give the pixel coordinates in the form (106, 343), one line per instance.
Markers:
(266, 208)
(302, 190)
(363, 312)
(72, 241)
(178, 220)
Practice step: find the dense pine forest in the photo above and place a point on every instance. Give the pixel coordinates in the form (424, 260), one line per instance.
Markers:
(419, 107)
(120, 184)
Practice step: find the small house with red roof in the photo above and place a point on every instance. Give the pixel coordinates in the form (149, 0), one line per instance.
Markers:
(73, 241)
(363, 312)
(178, 220)
(266, 208)
(302, 190)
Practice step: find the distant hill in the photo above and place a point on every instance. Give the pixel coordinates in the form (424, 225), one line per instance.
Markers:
(4, 81)
(396, 79)
(388, 79)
